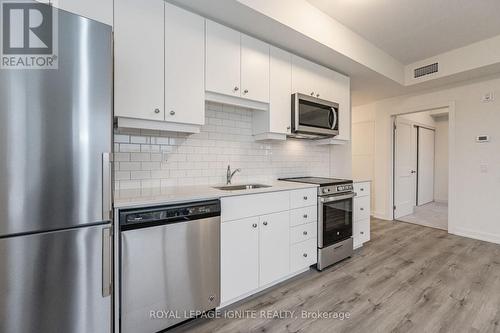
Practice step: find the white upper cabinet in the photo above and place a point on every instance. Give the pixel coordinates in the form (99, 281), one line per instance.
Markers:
(275, 122)
(184, 66)
(98, 10)
(311, 79)
(254, 69)
(139, 59)
(303, 76)
(280, 102)
(236, 65)
(223, 59)
(341, 93)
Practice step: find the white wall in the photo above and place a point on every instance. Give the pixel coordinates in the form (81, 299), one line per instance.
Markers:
(441, 160)
(474, 194)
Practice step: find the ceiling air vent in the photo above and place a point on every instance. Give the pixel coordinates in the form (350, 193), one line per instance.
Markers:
(426, 70)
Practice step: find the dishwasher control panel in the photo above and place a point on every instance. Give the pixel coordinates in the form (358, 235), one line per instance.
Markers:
(137, 218)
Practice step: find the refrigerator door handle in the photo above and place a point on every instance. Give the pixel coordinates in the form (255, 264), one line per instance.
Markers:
(106, 262)
(106, 187)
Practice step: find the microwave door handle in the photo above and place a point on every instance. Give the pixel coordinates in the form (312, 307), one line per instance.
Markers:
(334, 118)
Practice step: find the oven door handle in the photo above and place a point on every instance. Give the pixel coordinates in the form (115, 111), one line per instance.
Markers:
(337, 197)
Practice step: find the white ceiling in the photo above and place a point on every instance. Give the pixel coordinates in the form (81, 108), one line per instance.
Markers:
(412, 30)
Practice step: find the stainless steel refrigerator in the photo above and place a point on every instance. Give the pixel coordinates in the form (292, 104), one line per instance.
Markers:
(55, 187)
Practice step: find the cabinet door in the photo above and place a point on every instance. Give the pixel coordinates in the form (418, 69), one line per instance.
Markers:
(222, 59)
(184, 66)
(341, 91)
(280, 91)
(239, 257)
(99, 10)
(274, 247)
(302, 76)
(254, 69)
(139, 59)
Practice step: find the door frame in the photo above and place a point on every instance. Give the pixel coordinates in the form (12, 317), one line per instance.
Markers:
(451, 156)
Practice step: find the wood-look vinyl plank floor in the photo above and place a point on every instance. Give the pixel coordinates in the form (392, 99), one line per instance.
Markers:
(408, 278)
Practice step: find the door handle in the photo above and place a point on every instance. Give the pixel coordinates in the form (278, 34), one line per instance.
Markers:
(106, 187)
(107, 261)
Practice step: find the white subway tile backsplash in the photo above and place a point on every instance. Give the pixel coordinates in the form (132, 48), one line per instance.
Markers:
(145, 158)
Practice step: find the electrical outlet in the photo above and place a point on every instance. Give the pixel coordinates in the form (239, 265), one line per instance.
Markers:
(488, 97)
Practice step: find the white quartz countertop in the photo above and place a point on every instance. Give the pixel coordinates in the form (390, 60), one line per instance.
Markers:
(362, 180)
(135, 198)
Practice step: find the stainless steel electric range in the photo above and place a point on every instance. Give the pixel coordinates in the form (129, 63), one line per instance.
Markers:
(335, 203)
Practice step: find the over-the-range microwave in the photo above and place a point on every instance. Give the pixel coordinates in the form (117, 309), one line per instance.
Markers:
(314, 118)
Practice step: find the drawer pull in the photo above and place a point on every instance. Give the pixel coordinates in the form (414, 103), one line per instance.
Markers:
(305, 197)
(254, 225)
(361, 208)
(305, 255)
(362, 232)
(264, 223)
(305, 216)
(305, 233)
(361, 189)
(338, 247)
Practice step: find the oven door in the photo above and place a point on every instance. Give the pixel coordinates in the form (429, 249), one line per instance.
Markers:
(334, 219)
(312, 115)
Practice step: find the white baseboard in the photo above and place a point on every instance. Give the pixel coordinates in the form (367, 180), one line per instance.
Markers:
(381, 216)
(464, 232)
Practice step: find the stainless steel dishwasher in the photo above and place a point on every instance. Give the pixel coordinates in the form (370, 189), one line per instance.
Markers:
(169, 264)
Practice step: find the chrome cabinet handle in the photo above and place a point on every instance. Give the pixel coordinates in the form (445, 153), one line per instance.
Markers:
(245, 91)
(106, 262)
(305, 233)
(305, 198)
(254, 225)
(305, 255)
(264, 223)
(157, 110)
(172, 112)
(236, 88)
(305, 216)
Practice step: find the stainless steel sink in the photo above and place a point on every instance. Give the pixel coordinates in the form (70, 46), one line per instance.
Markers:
(241, 187)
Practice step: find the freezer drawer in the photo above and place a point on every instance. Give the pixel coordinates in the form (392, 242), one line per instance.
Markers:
(168, 269)
(53, 282)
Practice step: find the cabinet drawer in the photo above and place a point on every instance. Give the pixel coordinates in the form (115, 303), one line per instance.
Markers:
(361, 208)
(303, 255)
(362, 189)
(234, 208)
(303, 232)
(303, 198)
(361, 232)
(303, 215)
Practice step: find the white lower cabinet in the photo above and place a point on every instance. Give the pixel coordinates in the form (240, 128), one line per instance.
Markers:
(239, 257)
(303, 254)
(361, 214)
(274, 247)
(258, 251)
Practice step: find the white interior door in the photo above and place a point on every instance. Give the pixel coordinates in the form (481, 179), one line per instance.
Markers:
(404, 168)
(425, 169)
